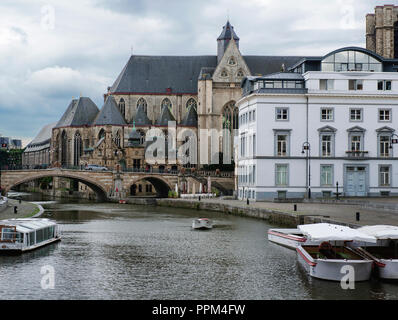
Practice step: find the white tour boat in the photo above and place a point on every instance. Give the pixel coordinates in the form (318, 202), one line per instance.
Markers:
(24, 234)
(202, 223)
(385, 252)
(290, 238)
(326, 261)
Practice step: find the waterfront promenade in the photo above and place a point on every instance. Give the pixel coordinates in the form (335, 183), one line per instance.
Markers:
(24, 209)
(306, 212)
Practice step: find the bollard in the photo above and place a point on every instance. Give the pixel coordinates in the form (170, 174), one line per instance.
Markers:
(357, 216)
(295, 207)
(199, 198)
(247, 201)
(15, 209)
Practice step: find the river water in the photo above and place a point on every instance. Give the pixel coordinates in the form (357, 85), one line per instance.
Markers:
(116, 251)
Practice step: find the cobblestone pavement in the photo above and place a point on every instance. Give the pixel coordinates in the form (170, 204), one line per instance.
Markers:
(24, 209)
(338, 212)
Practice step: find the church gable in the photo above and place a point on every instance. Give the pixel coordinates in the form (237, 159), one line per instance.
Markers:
(232, 67)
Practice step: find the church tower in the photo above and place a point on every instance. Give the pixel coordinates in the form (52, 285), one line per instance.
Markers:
(224, 39)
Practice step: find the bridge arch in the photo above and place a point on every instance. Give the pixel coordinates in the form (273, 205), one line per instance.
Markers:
(161, 185)
(96, 187)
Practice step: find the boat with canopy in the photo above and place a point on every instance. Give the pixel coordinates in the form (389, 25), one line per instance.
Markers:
(385, 251)
(326, 260)
(24, 234)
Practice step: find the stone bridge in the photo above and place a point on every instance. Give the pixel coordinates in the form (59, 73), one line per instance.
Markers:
(107, 184)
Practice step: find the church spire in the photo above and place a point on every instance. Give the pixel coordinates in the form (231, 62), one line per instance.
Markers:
(223, 40)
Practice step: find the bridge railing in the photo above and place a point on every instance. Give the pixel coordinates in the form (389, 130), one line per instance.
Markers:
(184, 171)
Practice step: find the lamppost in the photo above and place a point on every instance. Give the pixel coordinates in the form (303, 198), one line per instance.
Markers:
(393, 140)
(307, 149)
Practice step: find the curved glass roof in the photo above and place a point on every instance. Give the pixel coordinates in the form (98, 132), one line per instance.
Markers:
(351, 60)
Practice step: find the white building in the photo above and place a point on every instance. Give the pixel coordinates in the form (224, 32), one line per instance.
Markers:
(329, 120)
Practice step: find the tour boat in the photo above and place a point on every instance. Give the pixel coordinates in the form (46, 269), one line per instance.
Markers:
(327, 261)
(202, 223)
(385, 252)
(24, 234)
(290, 238)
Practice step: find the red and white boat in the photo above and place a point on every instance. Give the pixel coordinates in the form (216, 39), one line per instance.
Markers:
(328, 259)
(385, 252)
(290, 238)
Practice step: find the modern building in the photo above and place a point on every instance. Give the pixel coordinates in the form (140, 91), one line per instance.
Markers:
(328, 121)
(9, 143)
(382, 31)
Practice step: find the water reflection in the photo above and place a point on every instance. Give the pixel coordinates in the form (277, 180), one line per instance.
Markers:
(116, 251)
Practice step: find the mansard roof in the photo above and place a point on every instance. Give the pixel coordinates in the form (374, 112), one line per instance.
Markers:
(110, 114)
(179, 74)
(141, 118)
(191, 118)
(227, 32)
(80, 112)
(165, 117)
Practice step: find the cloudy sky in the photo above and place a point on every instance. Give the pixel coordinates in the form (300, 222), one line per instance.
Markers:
(51, 51)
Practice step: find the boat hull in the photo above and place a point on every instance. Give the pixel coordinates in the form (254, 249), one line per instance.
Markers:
(389, 270)
(332, 269)
(7, 248)
(287, 238)
(202, 225)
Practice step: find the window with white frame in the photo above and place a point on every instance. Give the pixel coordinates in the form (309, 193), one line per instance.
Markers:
(355, 114)
(282, 114)
(384, 176)
(327, 114)
(384, 145)
(326, 84)
(281, 175)
(385, 115)
(356, 142)
(326, 145)
(355, 84)
(281, 144)
(327, 175)
(384, 85)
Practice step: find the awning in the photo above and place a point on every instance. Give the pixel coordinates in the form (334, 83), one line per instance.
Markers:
(381, 231)
(333, 232)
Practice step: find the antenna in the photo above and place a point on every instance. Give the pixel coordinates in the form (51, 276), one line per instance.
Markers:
(131, 50)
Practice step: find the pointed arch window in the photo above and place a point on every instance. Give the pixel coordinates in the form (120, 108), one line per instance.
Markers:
(166, 102)
(117, 138)
(230, 116)
(232, 61)
(101, 134)
(78, 148)
(240, 74)
(64, 145)
(142, 102)
(224, 73)
(122, 107)
(191, 102)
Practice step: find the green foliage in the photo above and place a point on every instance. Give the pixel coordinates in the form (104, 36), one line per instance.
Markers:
(172, 194)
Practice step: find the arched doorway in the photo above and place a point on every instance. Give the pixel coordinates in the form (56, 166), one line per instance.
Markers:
(133, 190)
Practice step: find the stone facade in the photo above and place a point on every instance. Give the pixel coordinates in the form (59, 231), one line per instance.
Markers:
(382, 31)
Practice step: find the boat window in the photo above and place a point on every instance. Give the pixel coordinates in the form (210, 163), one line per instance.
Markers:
(31, 238)
(7, 234)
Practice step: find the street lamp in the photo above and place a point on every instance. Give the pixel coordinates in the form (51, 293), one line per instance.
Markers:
(393, 140)
(307, 149)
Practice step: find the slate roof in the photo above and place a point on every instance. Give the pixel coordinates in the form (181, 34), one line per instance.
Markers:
(165, 117)
(191, 118)
(110, 114)
(227, 32)
(42, 140)
(155, 74)
(80, 112)
(141, 119)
